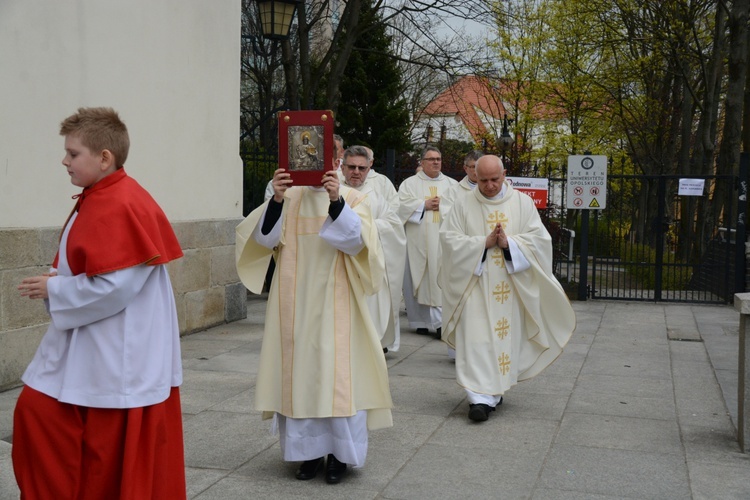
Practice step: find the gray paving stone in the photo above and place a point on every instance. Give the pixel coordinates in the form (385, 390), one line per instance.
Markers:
(623, 405)
(199, 480)
(7, 404)
(546, 383)
(625, 386)
(241, 403)
(8, 488)
(547, 494)
(622, 433)
(626, 363)
(709, 481)
(500, 432)
(239, 360)
(715, 446)
(477, 473)
(233, 488)
(425, 366)
(209, 388)
(632, 474)
(224, 440)
(534, 405)
(623, 413)
(424, 395)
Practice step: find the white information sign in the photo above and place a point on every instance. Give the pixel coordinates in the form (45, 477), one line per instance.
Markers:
(587, 182)
(691, 187)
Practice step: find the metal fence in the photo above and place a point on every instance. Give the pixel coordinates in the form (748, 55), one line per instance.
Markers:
(648, 244)
(652, 244)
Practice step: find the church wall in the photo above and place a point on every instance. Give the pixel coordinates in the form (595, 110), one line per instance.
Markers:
(171, 69)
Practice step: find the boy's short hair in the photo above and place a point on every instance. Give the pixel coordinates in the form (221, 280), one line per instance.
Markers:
(99, 129)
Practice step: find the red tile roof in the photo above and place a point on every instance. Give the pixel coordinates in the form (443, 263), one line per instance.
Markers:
(465, 98)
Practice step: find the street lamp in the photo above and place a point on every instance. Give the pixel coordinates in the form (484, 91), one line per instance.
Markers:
(276, 17)
(506, 140)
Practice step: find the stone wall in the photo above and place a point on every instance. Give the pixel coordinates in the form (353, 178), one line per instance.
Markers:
(207, 289)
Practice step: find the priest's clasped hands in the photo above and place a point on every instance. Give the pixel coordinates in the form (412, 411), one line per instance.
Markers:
(497, 237)
(432, 203)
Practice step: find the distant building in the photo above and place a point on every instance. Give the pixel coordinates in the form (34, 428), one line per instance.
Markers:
(470, 110)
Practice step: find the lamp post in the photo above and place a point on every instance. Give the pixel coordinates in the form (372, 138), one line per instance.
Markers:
(274, 23)
(505, 140)
(276, 17)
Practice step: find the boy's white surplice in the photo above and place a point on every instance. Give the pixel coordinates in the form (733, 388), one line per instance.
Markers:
(99, 350)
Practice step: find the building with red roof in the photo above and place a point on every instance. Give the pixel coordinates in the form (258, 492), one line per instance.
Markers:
(470, 110)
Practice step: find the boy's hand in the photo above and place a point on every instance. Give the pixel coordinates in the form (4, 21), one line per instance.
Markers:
(36, 286)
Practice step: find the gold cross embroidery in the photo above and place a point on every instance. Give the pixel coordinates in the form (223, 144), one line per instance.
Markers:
(504, 361)
(502, 328)
(502, 292)
(433, 194)
(496, 217)
(498, 258)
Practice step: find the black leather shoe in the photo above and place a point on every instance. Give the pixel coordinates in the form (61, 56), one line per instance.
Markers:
(480, 412)
(422, 331)
(335, 470)
(309, 469)
(439, 333)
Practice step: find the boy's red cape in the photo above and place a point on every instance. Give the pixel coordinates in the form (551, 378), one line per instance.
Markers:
(119, 225)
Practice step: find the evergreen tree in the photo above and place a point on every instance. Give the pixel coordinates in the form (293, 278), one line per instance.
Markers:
(372, 109)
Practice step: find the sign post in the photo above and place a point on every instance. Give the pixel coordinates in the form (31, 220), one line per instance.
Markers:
(586, 190)
(587, 182)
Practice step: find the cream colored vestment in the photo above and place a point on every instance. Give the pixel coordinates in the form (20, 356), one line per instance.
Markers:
(321, 356)
(423, 249)
(457, 189)
(385, 305)
(505, 327)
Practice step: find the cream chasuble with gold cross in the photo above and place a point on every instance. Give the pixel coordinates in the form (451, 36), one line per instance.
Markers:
(321, 356)
(422, 238)
(505, 327)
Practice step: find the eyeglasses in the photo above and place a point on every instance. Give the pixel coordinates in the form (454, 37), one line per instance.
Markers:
(361, 168)
(431, 159)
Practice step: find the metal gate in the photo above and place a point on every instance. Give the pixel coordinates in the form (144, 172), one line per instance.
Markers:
(653, 244)
(650, 243)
